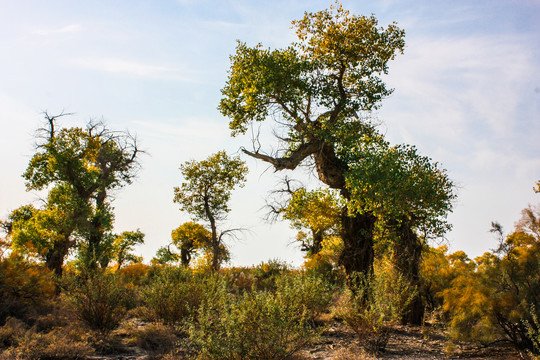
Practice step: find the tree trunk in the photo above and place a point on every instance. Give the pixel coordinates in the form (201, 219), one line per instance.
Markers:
(55, 258)
(357, 235)
(215, 239)
(316, 246)
(406, 257)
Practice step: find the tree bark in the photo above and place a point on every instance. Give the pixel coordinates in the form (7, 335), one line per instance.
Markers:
(357, 235)
(406, 256)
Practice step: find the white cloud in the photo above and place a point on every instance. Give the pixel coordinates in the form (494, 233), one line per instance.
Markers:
(121, 66)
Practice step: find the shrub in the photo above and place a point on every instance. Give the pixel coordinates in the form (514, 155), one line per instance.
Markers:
(257, 325)
(155, 338)
(267, 273)
(98, 298)
(174, 294)
(58, 344)
(24, 287)
(310, 294)
(373, 304)
(533, 331)
(137, 274)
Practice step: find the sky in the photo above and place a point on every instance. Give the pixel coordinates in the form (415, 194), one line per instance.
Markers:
(467, 94)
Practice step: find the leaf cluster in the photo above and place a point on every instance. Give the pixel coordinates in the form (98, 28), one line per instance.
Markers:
(208, 184)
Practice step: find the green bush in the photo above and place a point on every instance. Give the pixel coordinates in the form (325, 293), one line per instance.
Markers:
(373, 305)
(533, 331)
(307, 292)
(98, 298)
(257, 325)
(267, 273)
(174, 294)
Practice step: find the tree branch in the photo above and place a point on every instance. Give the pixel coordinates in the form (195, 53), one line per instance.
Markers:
(290, 162)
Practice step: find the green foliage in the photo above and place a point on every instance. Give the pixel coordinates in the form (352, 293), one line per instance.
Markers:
(98, 298)
(123, 246)
(80, 167)
(256, 325)
(267, 273)
(207, 185)
(191, 237)
(397, 182)
(310, 293)
(174, 294)
(338, 54)
(205, 194)
(533, 332)
(373, 304)
(164, 256)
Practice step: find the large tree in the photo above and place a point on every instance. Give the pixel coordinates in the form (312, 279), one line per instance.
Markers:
(314, 90)
(320, 91)
(81, 167)
(206, 191)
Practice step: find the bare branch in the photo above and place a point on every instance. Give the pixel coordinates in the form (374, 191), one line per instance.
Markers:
(290, 162)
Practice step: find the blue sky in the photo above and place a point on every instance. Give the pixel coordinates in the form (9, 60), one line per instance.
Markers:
(467, 94)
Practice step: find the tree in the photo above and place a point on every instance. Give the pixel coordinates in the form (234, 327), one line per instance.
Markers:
(46, 232)
(123, 246)
(206, 191)
(191, 237)
(410, 195)
(82, 166)
(316, 211)
(318, 91)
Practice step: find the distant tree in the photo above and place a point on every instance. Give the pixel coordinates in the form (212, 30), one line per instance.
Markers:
(82, 166)
(46, 232)
(314, 213)
(537, 187)
(206, 191)
(123, 246)
(164, 255)
(191, 237)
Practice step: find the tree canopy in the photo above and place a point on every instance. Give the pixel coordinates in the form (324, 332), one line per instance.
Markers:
(206, 191)
(80, 167)
(320, 92)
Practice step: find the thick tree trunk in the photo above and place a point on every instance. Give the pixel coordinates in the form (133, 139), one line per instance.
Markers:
(406, 257)
(55, 258)
(357, 235)
(316, 246)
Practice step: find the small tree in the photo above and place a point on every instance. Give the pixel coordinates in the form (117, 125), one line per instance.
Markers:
(191, 237)
(314, 213)
(206, 191)
(123, 245)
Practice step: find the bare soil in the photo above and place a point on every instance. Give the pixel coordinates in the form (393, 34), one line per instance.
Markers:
(406, 342)
(338, 342)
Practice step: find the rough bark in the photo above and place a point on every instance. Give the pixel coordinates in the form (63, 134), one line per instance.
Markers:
(357, 230)
(357, 235)
(407, 255)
